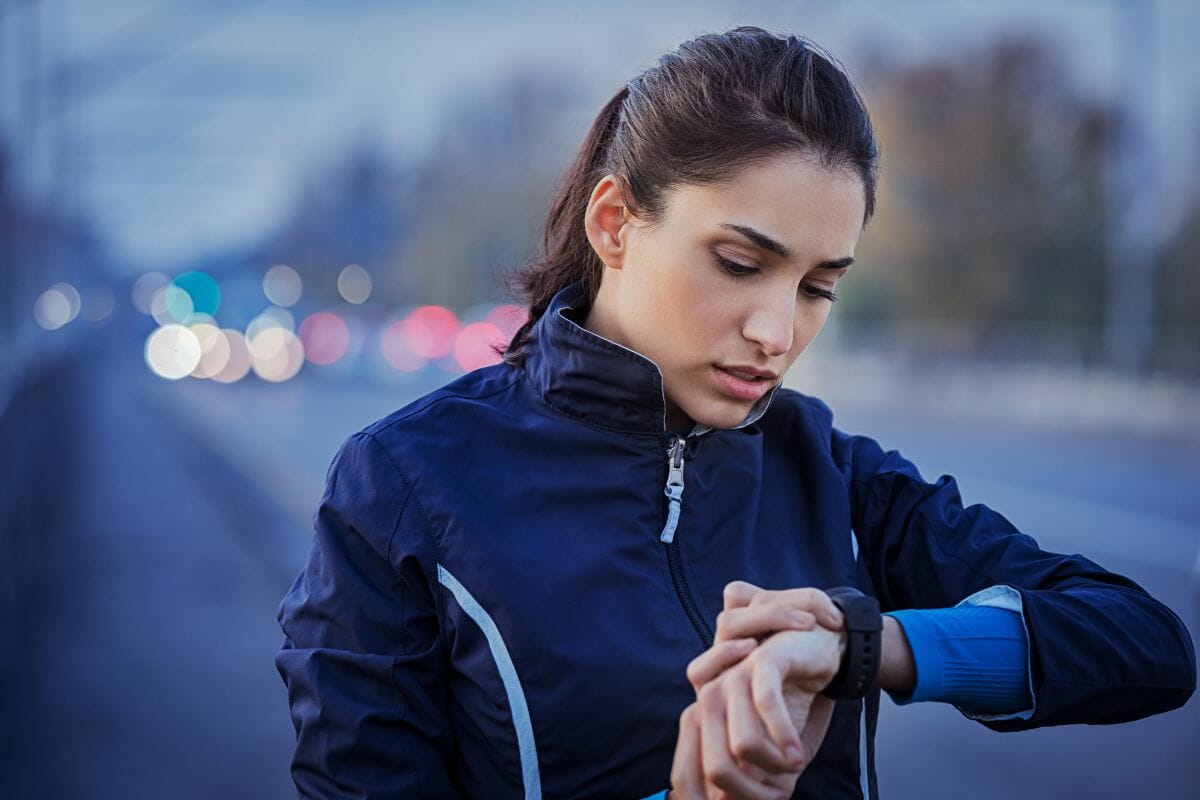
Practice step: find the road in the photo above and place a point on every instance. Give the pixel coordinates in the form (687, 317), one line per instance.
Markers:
(178, 514)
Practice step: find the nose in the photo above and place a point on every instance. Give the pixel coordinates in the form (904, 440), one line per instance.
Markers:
(772, 324)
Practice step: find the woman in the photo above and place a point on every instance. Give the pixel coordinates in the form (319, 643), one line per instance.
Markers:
(596, 569)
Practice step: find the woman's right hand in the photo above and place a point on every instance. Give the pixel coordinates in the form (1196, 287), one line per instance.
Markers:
(757, 725)
(751, 611)
(751, 615)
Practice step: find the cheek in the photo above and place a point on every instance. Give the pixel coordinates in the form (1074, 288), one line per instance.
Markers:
(808, 326)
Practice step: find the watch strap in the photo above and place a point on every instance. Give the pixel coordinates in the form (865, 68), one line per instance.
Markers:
(860, 660)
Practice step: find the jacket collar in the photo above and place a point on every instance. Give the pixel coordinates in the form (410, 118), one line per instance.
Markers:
(594, 379)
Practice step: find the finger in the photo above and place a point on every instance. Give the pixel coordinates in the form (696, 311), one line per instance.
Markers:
(760, 621)
(812, 732)
(716, 659)
(812, 600)
(749, 741)
(766, 687)
(721, 773)
(753, 771)
(739, 593)
(687, 776)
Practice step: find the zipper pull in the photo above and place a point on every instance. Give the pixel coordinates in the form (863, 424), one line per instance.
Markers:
(674, 488)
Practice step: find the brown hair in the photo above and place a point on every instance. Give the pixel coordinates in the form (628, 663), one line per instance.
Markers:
(716, 104)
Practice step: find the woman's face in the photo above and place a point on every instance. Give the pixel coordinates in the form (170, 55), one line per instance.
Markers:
(731, 285)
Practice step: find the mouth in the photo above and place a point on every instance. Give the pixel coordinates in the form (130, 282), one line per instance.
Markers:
(750, 373)
(745, 383)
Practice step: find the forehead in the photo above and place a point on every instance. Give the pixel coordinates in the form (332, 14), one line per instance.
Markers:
(793, 199)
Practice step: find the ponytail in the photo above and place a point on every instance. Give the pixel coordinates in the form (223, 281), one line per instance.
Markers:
(565, 255)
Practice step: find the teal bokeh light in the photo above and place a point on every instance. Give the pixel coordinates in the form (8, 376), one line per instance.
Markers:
(203, 289)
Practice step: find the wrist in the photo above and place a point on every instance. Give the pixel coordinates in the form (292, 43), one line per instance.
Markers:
(861, 644)
(897, 669)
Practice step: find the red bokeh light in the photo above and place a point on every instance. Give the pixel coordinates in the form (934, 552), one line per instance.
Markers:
(431, 330)
(474, 347)
(325, 337)
(396, 350)
(508, 318)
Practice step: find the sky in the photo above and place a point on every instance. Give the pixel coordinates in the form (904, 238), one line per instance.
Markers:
(186, 127)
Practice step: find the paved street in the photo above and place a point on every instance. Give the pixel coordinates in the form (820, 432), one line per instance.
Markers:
(145, 664)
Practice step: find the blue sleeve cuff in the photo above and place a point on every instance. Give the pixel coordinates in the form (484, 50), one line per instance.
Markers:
(975, 655)
(658, 795)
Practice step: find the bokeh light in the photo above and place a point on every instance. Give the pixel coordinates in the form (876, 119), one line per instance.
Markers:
(508, 318)
(98, 304)
(276, 354)
(172, 351)
(325, 337)
(52, 309)
(198, 318)
(271, 318)
(396, 350)
(214, 350)
(171, 305)
(354, 284)
(145, 288)
(430, 331)
(203, 290)
(72, 294)
(238, 364)
(282, 285)
(475, 345)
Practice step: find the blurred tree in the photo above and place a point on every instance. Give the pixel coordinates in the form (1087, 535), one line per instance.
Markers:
(1179, 295)
(989, 236)
(441, 230)
(353, 211)
(481, 197)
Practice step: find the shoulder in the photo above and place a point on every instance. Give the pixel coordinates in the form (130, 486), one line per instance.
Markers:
(794, 412)
(382, 466)
(457, 407)
(795, 418)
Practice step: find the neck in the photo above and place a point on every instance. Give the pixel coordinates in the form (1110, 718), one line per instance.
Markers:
(600, 318)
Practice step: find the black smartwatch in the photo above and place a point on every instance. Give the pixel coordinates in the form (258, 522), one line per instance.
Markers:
(864, 640)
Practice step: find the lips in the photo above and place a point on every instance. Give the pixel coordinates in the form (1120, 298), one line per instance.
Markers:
(749, 373)
(744, 383)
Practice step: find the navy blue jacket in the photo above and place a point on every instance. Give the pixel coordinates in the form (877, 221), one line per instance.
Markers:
(498, 603)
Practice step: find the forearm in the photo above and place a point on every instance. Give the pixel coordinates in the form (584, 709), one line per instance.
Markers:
(897, 672)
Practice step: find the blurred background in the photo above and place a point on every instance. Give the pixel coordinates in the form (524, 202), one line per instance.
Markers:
(233, 232)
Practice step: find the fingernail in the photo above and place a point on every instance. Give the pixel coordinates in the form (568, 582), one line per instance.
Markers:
(793, 754)
(744, 644)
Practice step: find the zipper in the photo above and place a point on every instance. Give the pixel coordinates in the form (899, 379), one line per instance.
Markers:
(674, 492)
(674, 488)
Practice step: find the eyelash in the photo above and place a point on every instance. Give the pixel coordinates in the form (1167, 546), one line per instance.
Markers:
(741, 271)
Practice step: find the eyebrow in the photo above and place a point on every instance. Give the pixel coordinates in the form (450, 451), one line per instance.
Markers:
(778, 248)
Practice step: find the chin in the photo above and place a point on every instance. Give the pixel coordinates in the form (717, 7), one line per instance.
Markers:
(719, 415)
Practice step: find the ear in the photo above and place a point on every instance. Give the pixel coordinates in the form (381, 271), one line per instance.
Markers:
(605, 221)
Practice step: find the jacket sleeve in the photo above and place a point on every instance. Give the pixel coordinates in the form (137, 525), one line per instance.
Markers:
(361, 659)
(1102, 650)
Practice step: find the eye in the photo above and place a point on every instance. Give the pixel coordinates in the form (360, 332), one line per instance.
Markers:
(733, 267)
(817, 293)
